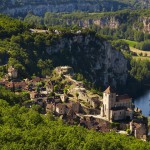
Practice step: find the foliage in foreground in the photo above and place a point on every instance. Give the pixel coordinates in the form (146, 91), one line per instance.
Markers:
(22, 128)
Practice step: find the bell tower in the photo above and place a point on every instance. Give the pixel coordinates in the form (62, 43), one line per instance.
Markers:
(109, 97)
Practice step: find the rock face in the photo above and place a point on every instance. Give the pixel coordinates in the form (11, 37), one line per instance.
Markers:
(92, 56)
(146, 24)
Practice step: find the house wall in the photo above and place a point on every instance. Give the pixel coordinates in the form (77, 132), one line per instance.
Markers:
(127, 103)
(61, 110)
(130, 114)
(108, 102)
(140, 132)
(118, 115)
(76, 107)
(63, 98)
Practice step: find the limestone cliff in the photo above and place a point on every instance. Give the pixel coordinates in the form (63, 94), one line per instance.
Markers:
(110, 22)
(93, 56)
(144, 25)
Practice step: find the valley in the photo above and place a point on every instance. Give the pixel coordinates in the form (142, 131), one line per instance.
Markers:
(74, 74)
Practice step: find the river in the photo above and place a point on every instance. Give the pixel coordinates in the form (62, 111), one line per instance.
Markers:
(143, 102)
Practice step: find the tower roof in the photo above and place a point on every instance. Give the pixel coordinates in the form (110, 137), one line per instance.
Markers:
(109, 90)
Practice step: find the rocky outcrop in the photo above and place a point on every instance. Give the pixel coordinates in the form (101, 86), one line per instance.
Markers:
(110, 22)
(143, 25)
(92, 56)
(146, 24)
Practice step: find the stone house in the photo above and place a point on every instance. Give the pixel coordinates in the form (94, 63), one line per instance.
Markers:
(40, 101)
(12, 72)
(64, 98)
(34, 95)
(49, 87)
(61, 109)
(16, 85)
(116, 107)
(50, 107)
(139, 130)
(57, 99)
(75, 106)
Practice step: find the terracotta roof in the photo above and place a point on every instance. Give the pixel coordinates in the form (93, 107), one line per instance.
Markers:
(109, 90)
(49, 106)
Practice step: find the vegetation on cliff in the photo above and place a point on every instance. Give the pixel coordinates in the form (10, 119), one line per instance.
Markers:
(27, 52)
(126, 24)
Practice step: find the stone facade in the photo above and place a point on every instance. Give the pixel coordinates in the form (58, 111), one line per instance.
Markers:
(116, 107)
(12, 72)
(139, 130)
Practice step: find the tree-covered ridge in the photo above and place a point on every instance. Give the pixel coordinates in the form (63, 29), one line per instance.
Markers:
(23, 128)
(132, 3)
(10, 26)
(125, 24)
(27, 52)
(22, 7)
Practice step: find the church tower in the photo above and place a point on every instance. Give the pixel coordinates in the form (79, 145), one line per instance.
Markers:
(109, 98)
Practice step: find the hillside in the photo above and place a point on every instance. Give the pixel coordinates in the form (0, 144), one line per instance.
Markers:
(37, 52)
(86, 52)
(23, 128)
(22, 7)
(125, 24)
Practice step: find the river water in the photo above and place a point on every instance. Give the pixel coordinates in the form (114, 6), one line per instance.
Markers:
(143, 102)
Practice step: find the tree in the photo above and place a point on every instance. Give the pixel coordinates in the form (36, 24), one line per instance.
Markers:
(56, 88)
(65, 90)
(77, 96)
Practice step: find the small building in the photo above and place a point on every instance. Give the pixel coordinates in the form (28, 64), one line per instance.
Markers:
(50, 107)
(49, 87)
(34, 95)
(116, 107)
(75, 106)
(139, 130)
(57, 99)
(12, 72)
(61, 109)
(64, 98)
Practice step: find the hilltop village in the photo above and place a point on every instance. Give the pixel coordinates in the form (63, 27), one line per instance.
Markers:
(64, 97)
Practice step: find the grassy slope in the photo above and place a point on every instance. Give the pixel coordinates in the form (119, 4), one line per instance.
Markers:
(137, 51)
(131, 43)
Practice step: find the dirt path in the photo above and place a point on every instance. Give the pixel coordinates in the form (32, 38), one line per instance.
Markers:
(140, 51)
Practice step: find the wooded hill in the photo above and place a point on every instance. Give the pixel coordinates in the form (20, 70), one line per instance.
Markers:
(30, 53)
(23, 128)
(40, 7)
